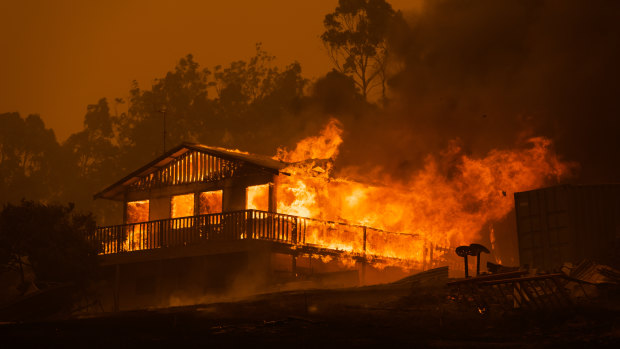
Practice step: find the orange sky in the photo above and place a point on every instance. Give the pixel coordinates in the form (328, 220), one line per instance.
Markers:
(58, 56)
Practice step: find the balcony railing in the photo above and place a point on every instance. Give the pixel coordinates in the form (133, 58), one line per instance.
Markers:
(260, 225)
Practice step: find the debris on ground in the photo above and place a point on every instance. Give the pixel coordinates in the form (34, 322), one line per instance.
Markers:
(592, 272)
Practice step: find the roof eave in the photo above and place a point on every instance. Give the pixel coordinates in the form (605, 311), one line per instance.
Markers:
(170, 155)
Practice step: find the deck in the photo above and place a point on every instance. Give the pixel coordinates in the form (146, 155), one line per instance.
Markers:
(298, 233)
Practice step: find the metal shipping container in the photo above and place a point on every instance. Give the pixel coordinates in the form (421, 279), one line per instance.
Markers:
(568, 223)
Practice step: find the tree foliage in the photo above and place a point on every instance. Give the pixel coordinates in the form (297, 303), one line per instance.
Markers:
(27, 152)
(52, 237)
(93, 148)
(252, 104)
(228, 105)
(356, 40)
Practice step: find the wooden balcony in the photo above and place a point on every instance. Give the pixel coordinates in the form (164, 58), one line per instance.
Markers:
(294, 231)
(185, 231)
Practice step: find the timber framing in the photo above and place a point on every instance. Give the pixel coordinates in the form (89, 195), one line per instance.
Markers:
(191, 164)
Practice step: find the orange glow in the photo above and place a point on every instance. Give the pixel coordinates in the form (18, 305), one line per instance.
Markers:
(430, 207)
(323, 146)
(137, 211)
(257, 197)
(182, 206)
(210, 202)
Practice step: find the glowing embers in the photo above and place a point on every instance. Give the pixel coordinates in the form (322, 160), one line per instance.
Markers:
(257, 197)
(210, 202)
(137, 211)
(182, 206)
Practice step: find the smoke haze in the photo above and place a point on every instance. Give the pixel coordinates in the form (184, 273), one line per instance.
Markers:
(489, 74)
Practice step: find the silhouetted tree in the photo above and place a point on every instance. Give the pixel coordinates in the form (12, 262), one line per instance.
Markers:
(252, 104)
(250, 100)
(93, 147)
(182, 93)
(52, 237)
(256, 98)
(355, 38)
(27, 153)
(90, 159)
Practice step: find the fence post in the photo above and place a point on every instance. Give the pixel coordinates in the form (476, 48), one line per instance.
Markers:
(119, 238)
(249, 233)
(295, 231)
(161, 233)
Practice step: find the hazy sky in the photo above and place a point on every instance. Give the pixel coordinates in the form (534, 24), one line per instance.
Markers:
(60, 55)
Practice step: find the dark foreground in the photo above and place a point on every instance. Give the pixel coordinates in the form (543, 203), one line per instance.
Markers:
(379, 316)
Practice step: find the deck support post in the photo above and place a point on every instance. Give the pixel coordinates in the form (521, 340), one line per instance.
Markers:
(363, 271)
(116, 292)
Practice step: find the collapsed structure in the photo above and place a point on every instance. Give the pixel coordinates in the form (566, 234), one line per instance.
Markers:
(203, 220)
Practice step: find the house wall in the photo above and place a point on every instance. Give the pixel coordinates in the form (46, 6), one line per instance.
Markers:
(183, 278)
(159, 208)
(233, 196)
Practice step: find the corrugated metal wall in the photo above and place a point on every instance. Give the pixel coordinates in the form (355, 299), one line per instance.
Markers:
(567, 224)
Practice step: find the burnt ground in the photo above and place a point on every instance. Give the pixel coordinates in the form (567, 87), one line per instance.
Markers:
(378, 316)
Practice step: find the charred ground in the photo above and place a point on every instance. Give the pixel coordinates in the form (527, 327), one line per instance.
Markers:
(396, 314)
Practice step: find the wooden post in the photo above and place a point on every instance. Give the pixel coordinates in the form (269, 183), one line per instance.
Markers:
(294, 231)
(121, 236)
(125, 208)
(162, 226)
(160, 277)
(363, 271)
(116, 292)
(196, 203)
(249, 224)
(466, 267)
(273, 200)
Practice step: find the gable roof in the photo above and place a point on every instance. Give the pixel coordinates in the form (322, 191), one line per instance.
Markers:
(259, 162)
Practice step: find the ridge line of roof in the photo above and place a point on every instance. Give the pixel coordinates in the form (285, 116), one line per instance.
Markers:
(252, 159)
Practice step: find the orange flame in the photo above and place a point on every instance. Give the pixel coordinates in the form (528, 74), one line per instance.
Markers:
(182, 205)
(258, 197)
(431, 206)
(210, 202)
(323, 146)
(137, 212)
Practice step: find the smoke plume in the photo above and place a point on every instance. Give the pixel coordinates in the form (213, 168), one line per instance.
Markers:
(490, 74)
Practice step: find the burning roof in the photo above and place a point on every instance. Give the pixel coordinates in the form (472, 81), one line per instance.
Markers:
(257, 162)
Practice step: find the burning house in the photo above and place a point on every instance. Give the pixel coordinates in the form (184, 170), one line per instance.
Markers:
(202, 220)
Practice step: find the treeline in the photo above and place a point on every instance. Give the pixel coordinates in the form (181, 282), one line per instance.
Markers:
(251, 105)
(431, 76)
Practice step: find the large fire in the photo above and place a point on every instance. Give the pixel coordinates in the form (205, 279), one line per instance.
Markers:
(436, 209)
(430, 207)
